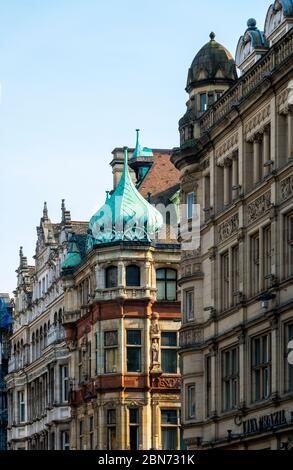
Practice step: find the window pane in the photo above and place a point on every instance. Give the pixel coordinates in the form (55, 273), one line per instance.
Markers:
(133, 276)
(111, 338)
(111, 417)
(169, 417)
(169, 438)
(111, 277)
(169, 339)
(171, 274)
(133, 359)
(161, 290)
(190, 202)
(134, 337)
(161, 274)
(169, 360)
(171, 290)
(133, 416)
(133, 436)
(111, 360)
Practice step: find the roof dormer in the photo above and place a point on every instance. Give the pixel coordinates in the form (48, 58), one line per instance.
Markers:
(279, 20)
(251, 46)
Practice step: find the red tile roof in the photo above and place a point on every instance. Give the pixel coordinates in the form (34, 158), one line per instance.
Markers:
(161, 177)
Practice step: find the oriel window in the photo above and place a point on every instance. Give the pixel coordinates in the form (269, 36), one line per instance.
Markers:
(111, 351)
(169, 348)
(166, 284)
(133, 349)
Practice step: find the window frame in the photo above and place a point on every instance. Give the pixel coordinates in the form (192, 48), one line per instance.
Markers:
(230, 378)
(137, 268)
(166, 280)
(261, 371)
(108, 283)
(132, 346)
(172, 348)
(111, 348)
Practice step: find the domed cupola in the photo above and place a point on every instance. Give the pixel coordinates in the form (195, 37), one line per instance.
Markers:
(251, 46)
(213, 63)
(125, 216)
(212, 72)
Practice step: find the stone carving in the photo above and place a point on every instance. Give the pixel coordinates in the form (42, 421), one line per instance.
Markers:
(257, 122)
(259, 207)
(155, 342)
(228, 228)
(191, 337)
(167, 382)
(287, 188)
(227, 147)
(282, 102)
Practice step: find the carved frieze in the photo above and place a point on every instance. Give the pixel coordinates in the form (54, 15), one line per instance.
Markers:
(227, 147)
(259, 207)
(191, 337)
(228, 228)
(255, 124)
(287, 188)
(167, 382)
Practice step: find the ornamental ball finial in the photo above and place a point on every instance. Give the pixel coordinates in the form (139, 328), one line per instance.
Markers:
(251, 23)
(212, 36)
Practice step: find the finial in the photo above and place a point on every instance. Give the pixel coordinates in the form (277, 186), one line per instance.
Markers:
(125, 150)
(21, 253)
(251, 23)
(63, 209)
(212, 36)
(45, 211)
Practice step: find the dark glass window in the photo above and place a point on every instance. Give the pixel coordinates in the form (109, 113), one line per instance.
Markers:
(203, 102)
(261, 368)
(133, 276)
(166, 284)
(169, 429)
(111, 277)
(169, 352)
(133, 350)
(134, 428)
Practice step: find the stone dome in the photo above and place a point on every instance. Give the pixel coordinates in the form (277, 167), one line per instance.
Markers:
(213, 63)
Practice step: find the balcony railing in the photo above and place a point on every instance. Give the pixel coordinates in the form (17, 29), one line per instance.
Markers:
(126, 292)
(275, 57)
(55, 335)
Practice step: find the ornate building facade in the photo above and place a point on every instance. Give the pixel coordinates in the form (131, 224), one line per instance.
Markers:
(38, 379)
(122, 314)
(236, 161)
(6, 306)
(94, 361)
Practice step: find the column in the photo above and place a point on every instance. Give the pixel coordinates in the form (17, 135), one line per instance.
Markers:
(235, 178)
(256, 159)
(266, 150)
(227, 182)
(290, 134)
(121, 274)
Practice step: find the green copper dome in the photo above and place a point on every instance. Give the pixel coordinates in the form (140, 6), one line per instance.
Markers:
(213, 63)
(125, 216)
(73, 257)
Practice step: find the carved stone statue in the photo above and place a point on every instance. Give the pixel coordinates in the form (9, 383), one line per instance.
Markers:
(155, 351)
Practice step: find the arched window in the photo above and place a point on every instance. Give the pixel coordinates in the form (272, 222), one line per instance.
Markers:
(41, 339)
(33, 347)
(133, 276)
(166, 284)
(111, 277)
(37, 344)
(55, 319)
(60, 317)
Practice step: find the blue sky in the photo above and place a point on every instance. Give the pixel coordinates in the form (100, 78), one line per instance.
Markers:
(77, 77)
